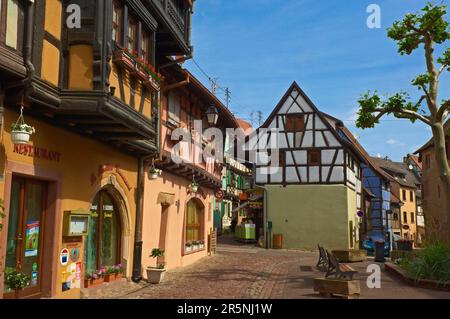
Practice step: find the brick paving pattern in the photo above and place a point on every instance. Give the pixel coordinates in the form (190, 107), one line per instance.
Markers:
(253, 273)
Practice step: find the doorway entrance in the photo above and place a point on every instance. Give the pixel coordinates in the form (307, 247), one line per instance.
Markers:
(102, 245)
(26, 226)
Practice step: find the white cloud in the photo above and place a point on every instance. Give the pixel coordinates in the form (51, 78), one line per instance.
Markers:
(391, 141)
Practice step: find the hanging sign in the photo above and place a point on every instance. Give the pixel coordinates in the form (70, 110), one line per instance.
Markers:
(64, 257)
(360, 214)
(220, 194)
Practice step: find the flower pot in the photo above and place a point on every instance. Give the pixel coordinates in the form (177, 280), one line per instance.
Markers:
(195, 247)
(20, 137)
(112, 277)
(93, 282)
(188, 249)
(155, 275)
(154, 175)
(194, 188)
(201, 246)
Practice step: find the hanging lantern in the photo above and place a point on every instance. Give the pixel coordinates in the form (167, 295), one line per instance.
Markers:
(20, 131)
(212, 115)
(194, 185)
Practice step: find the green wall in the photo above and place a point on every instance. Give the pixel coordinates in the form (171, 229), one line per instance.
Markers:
(308, 215)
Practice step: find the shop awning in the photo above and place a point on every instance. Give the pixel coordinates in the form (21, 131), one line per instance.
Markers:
(166, 199)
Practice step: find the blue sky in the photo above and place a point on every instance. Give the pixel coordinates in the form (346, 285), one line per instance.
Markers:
(257, 48)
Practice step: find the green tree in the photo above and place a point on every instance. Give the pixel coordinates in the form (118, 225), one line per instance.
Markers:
(430, 30)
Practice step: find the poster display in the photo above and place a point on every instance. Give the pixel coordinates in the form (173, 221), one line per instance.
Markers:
(32, 239)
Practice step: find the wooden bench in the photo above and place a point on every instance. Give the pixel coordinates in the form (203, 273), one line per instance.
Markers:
(340, 271)
(329, 287)
(322, 264)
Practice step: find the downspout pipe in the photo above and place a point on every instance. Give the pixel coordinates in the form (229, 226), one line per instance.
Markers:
(137, 250)
(27, 49)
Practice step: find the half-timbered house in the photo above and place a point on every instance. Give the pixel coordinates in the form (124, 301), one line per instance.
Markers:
(313, 188)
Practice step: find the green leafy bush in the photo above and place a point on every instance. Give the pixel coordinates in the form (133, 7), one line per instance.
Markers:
(432, 262)
(16, 280)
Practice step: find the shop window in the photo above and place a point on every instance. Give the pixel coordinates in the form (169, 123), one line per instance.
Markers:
(295, 123)
(194, 238)
(314, 157)
(117, 23)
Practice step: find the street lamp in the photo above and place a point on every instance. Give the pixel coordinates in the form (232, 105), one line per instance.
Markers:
(212, 115)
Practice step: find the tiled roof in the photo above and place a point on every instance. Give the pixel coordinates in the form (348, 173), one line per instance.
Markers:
(337, 124)
(398, 171)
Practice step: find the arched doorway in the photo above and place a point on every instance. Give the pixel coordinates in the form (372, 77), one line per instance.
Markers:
(102, 245)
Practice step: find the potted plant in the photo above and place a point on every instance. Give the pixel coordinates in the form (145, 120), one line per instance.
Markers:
(194, 187)
(201, 244)
(16, 281)
(95, 278)
(188, 247)
(156, 274)
(21, 132)
(113, 273)
(195, 245)
(154, 172)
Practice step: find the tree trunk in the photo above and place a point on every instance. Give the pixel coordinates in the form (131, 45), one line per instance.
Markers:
(439, 136)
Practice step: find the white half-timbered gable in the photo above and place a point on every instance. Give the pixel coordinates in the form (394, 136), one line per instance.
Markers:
(310, 148)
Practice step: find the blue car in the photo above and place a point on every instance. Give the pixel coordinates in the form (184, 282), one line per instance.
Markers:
(369, 245)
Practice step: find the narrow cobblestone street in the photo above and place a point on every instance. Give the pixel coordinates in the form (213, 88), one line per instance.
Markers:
(247, 273)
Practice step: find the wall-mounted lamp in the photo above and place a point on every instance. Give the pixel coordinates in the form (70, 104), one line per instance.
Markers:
(212, 115)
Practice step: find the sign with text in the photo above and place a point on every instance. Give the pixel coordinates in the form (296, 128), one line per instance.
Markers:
(37, 152)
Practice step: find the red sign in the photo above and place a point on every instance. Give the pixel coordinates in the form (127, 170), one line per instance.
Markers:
(220, 194)
(36, 152)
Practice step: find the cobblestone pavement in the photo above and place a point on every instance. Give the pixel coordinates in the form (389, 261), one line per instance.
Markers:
(246, 273)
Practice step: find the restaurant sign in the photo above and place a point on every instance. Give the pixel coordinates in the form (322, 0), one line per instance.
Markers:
(37, 152)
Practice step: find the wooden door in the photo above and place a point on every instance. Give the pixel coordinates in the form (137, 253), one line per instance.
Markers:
(25, 233)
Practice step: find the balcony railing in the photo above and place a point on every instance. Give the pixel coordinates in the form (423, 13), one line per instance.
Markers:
(177, 13)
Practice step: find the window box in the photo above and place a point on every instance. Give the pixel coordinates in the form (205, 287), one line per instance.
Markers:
(141, 74)
(91, 282)
(112, 277)
(124, 60)
(151, 84)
